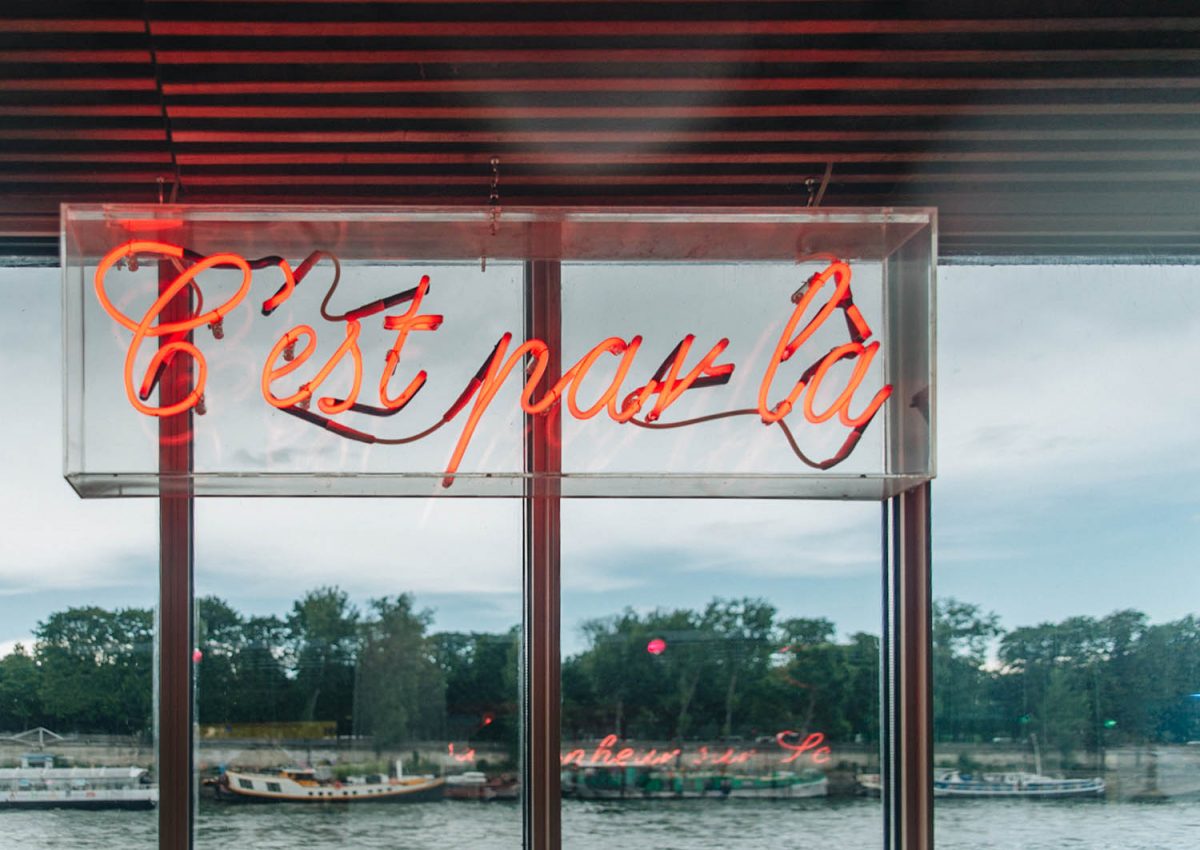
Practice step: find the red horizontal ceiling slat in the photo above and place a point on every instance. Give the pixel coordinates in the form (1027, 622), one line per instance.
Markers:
(71, 25)
(616, 57)
(632, 28)
(593, 158)
(682, 135)
(651, 112)
(672, 84)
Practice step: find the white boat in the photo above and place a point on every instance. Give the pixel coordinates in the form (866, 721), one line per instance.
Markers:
(38, 784)
(870, 784)
(302, 785)
(955, 783)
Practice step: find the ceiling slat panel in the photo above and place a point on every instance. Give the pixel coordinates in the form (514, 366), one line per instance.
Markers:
(1068, 127)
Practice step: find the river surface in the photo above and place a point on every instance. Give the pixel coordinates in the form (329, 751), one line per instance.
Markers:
(657, 825)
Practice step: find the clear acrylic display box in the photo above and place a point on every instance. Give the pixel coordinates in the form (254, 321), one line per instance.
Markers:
(660, 277)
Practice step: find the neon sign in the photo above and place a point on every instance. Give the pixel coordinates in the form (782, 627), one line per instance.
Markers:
(293, 385)
(605, 755)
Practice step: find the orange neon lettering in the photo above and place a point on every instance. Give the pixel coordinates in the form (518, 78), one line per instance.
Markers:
(493, 377)
(285, 291)
(788, 345)
(469, 755)
(664, 387)
(863, 355)
(646, 758)
(612, 345)
(633, 403)
(812, 742)
(174, 252)
(327, 405)
(541, 360)
(270, 373)
(178, 345)
(813, 745)
(725, 757)
(404, 324)
(574, 757)
(672, 386)
(603, 753)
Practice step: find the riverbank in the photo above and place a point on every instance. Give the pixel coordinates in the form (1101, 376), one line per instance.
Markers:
(1131, 773)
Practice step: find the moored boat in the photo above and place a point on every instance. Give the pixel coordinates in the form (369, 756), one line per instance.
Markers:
(870, 784)
(475, 785)
(955, 783)
(38, 784)
(302, 785)
(632, 783)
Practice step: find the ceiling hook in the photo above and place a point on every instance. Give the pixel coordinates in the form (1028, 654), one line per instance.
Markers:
(493, 208)
(816, 202)
(494, 197)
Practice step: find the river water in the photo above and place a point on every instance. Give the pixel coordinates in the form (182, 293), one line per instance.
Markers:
(655, 825)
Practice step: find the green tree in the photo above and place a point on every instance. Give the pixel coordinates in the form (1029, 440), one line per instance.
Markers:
(324, 635)
(261, 690)
(742, 632)
(96, 668)
(480, 671)
(401, 690)
(20, 686)
(816, 675)
(962, 634)
(220, 634)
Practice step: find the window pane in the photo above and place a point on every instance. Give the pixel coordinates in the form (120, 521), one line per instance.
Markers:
(1067, 643)
(720, 674)
(357, 670)
(77, 597)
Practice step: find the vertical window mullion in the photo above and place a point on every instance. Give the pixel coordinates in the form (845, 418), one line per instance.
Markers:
(541, 674)
(907, 683)
(175, 590)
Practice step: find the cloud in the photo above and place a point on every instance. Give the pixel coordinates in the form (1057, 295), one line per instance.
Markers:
(369, 547)
(7, 646)
(1053, 382)
(1052, 375)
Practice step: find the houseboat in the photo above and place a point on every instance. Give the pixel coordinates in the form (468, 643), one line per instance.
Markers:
(303, 785)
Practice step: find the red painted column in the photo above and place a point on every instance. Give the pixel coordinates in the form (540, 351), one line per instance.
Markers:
(542, 672)
(175, 529)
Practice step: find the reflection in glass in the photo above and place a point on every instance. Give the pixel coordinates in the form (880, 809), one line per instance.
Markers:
(77, 581)
(720, 672)
(356, 683)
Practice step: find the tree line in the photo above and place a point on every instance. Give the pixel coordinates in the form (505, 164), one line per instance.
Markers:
(734, 669)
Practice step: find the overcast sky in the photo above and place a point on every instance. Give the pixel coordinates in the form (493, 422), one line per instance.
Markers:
(1067, 457)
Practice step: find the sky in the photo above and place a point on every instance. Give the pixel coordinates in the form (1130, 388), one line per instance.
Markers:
(1067, 484)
